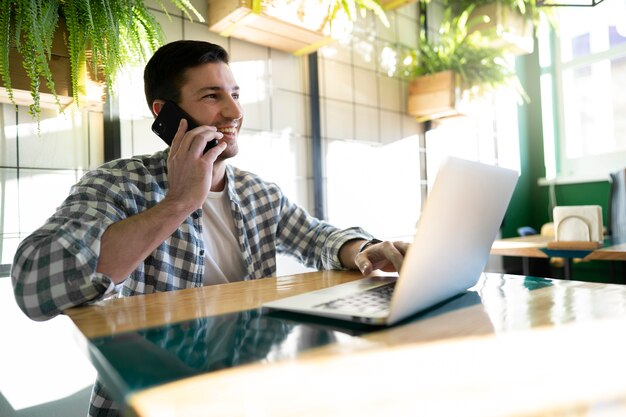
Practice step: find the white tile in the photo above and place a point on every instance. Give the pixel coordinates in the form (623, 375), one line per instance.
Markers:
(256, 115)
(62, 142)
(41, 192)
(336, 80)
(202, 6)
(288, 71)
(410, 10)
(337, 119)
(8, 247)
(408, 31)
(172, 26)
(387, 33)
(246, 51)
(157, 7)
(9, 201)
(389, 91)
(390, 126)
(302, 193)
(296, 189)
(365, 52)
(336, 51)
(275, 157)
(200, 31)
(290, 112)
(8, 136)
(366, 123)
(350, 186)
(411, 127)
(435, 15)
(251, 73)
(126, 138)
(144, 141)
(366, 88)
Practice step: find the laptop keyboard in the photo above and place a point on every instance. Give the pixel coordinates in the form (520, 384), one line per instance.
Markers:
(369, 301)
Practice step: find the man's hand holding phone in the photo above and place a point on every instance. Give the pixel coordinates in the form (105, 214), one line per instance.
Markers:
(168, 120)
(193, 152)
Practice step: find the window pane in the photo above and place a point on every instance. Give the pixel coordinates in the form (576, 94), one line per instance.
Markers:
(585, 99)
(586, 31)
(617, 34)
(618, 74)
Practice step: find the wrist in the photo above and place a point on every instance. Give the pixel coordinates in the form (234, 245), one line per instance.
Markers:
(368, 243)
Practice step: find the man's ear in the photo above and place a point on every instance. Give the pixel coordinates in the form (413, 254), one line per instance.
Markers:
(157, 105)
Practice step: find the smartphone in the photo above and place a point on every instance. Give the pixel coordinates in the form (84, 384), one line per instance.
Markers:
(167, 121)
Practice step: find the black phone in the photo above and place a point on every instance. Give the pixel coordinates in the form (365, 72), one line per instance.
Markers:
(166, 123)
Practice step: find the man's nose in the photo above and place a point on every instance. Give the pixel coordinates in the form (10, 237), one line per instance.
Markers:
(232, 109)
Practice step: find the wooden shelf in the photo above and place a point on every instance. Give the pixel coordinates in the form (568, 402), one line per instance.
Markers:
(237, 19)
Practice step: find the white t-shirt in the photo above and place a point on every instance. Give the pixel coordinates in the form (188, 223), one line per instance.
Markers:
(222, 255)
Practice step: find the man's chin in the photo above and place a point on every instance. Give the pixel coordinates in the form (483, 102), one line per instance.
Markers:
(230, 152)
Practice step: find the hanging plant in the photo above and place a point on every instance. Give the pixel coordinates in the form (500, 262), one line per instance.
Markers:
(105, 36)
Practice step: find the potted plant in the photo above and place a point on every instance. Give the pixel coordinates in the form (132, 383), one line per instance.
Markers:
(102, 36)
(296, 26)
(455, 66)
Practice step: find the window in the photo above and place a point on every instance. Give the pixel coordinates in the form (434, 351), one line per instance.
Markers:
(583, 74)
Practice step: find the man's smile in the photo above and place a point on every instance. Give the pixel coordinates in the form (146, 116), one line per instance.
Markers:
(227, 129)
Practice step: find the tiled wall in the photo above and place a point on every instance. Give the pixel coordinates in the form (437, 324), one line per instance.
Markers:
(371, 148)
(37, 170)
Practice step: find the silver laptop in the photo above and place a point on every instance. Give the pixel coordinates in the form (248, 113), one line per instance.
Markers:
(459, 222)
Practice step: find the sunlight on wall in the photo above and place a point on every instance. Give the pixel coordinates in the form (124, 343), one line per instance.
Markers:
(129, 91)
(489, 136)
(252, 79)
(277, 158)
(391, 206)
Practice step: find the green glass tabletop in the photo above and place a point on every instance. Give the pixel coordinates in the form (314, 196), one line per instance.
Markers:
(132, 361)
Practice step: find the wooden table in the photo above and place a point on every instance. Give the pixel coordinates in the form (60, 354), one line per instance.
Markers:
(536, 246)
(511, 346)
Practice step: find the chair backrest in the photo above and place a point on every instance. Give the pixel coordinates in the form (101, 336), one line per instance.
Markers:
(617, 206)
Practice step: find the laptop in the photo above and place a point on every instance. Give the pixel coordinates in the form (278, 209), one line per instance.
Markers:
(453, 238)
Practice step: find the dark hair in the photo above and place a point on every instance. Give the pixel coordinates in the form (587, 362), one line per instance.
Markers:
(163, 75)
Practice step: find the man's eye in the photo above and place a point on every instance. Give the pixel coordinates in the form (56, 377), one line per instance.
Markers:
(211, 96)
(236, 96)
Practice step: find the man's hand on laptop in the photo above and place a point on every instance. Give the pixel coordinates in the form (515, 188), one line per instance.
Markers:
(368, 256)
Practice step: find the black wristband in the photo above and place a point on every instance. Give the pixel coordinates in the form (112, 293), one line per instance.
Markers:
(369, 243)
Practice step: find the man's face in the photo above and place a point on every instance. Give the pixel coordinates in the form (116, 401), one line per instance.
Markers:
(211, 97)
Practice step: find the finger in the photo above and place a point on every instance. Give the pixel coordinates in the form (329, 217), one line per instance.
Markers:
(178, 137)
(386, 256)
(200, 140)
(393, 254)
(402, 247)
(363, 263)
(214, 152)
(190, 140)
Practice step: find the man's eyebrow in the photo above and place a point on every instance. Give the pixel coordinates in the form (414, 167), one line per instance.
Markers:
(216, 88)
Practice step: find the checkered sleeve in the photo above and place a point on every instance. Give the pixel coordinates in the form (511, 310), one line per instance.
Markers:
(315, 242)
(55, 267)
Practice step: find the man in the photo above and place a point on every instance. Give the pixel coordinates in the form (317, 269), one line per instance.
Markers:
(179, 218)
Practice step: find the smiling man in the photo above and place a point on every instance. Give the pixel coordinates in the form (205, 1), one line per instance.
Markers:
(179, 218)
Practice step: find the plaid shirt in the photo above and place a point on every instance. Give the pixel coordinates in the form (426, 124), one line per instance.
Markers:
(55, 267)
